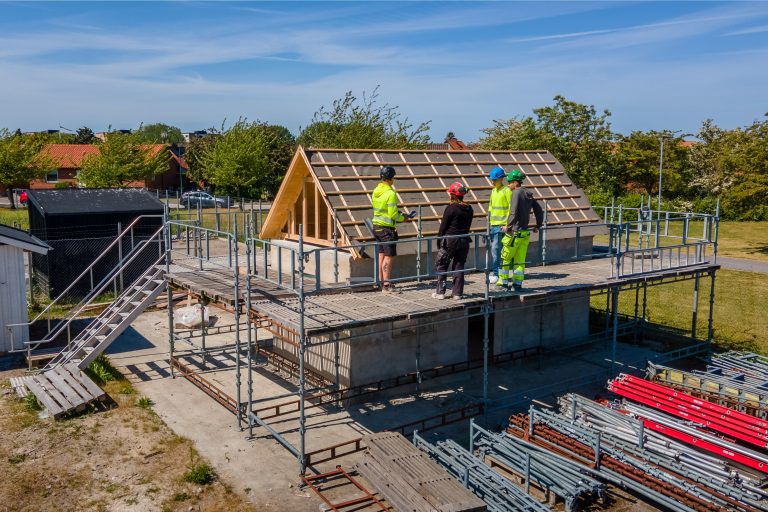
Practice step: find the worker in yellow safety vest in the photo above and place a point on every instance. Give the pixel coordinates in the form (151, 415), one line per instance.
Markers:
(516, 234)
(386, 215)
(498, 211)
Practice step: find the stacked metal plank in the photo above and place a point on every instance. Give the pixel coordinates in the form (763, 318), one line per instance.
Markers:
(714, 417)
(714, 386)
(499, 493)
(546, 470)
(630, 434)
(603, 442)
(409, 480)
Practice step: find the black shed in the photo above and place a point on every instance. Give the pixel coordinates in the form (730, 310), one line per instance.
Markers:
(80, 224)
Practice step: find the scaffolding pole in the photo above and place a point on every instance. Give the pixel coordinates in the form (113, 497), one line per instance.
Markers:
(695, 311)
(248, 242)
(486, 318)
(302, 344)
(615, 306)
(710, 326)
(169, 295)
(236, 308)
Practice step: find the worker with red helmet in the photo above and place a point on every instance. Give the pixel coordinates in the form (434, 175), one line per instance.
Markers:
(453, 249)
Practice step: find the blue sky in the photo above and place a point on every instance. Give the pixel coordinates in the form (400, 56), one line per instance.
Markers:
(460, 65)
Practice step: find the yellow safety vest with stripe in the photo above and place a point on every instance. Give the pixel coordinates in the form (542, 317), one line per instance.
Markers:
(499, 208)
(385, 212)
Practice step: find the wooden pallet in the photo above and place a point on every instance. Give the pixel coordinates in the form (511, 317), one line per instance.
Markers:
(60, 390)
(410, 480)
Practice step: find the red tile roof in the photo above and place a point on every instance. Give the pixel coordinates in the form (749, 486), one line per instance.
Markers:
(70, 156)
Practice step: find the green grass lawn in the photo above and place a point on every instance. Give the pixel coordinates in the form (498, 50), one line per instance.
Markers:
(744, 240)
(740, 322)
(18, 217)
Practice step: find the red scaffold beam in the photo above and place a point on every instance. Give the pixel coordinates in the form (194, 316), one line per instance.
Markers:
(649, 401)
(712, 420)
(758, 424)
(706, 445)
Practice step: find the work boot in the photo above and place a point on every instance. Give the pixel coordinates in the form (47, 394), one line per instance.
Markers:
(492, 279)
(518, 287)
(502, 283)
(438, 296)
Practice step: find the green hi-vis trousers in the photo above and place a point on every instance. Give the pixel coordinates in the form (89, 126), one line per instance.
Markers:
(513, 251)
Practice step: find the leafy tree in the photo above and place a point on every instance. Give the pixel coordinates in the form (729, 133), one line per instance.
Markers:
(122, 159)
(639, 155)
(249, 159)
(449, 136)
(351, 123)
(84, 135)
(195, 151)
(577, 135)
(22, 160)
(159, 133)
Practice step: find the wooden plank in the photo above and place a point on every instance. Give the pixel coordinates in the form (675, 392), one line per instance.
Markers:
(382, 163)
(453, 176)
(84, 380)
(54, 409)
(72, 396)
(76, 383)
(18, 385)
(53, 392)
(317, 211)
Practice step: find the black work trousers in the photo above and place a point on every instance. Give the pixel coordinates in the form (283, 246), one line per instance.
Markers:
(452, 256)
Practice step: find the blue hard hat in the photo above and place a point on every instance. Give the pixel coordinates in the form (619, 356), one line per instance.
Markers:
(497, 172)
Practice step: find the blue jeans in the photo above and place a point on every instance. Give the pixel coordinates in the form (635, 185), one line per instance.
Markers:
(497, 233)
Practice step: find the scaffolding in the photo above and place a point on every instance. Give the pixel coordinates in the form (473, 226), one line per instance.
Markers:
(291, 294)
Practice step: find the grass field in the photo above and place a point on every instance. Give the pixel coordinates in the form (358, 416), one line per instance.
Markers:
(740, 321)
(14, 217)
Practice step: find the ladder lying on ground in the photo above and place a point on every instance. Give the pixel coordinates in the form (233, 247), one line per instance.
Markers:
(51, 387)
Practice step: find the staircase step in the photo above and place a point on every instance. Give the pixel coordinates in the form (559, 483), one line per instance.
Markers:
(88, 350)
(100, 338)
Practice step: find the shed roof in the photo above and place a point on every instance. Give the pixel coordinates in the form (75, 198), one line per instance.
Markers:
(347, 177)
(21, 239)
(80, 201)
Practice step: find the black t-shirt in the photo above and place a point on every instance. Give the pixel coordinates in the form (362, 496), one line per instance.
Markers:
(457, 219)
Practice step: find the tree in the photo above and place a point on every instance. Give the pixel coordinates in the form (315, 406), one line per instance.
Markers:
(159, 133)
(449, 136)
(249, 159)
(84, 135)
(576, 134)
(350, 123)
(639, 154)
(22, 160)
(122, 158)
(195, 151)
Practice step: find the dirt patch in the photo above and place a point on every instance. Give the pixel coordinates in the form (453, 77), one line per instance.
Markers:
(123, 459)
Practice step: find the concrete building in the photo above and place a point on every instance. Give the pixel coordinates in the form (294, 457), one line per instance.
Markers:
(13, 285)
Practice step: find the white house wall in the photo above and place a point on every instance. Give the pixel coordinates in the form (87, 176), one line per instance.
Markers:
(13, 298)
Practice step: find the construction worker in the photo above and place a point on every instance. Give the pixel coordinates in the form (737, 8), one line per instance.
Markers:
(498, 212)
(386, 215)
(516, 234)
(453, 250)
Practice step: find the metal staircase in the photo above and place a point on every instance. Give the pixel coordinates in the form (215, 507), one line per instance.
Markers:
(105, 328)
(61, 386)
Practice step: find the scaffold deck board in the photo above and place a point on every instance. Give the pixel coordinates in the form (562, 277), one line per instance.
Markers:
(410, 480)
(61, 389)
(335, 309)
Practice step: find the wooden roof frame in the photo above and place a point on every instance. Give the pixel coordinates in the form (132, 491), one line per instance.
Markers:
(338, 177)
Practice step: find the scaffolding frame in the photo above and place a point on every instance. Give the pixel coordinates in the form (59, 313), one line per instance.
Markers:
(196, 239)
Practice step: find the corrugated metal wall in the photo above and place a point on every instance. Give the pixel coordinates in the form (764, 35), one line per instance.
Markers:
(13, 297)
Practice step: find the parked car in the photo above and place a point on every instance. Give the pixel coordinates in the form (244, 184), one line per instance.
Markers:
(203, 199)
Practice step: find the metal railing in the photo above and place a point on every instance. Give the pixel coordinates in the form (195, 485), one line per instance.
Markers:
(129, 233)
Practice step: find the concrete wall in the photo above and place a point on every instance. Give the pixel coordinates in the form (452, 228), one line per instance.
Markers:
(389, 349)
(361, 269)
(519, 325)
(13, 298)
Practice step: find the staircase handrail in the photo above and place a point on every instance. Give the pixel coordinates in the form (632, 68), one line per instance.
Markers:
(99, 288)
(107, 313)
(90, 267)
